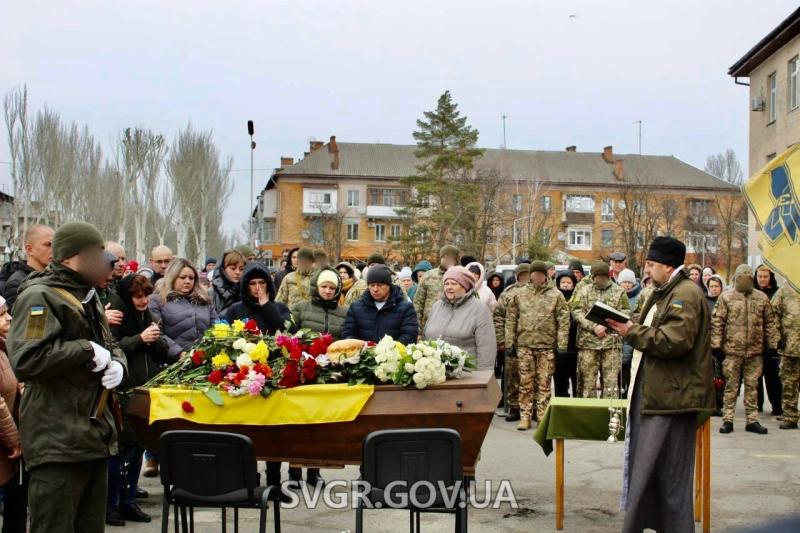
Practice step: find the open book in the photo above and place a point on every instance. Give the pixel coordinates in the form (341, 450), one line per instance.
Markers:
(600, 312)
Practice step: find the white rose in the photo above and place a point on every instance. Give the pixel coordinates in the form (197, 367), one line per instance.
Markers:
(249, 347)
(239, 344)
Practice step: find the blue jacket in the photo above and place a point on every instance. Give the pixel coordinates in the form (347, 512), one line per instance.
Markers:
(397, 318)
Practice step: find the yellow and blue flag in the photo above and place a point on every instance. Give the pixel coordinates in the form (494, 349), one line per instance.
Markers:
(773, 197)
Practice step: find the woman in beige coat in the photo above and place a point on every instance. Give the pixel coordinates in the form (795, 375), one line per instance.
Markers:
(15, 504)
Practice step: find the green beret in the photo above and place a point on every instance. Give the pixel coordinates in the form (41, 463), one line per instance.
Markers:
(305, 253)
(599, 269)
(539, 266)
(449, 249)
(522, 267)
(376, 257)
(73, 237)
(245, 250)
(549, 264)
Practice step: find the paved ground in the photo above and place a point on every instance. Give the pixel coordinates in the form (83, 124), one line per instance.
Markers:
(754, 479)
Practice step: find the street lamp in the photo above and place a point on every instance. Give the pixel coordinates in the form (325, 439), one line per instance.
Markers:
(250, 131)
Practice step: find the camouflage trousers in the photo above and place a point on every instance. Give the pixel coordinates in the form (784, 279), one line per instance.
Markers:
(608, 362)
(790, 379)
(536, 369)
(512, 382)
(749, 368)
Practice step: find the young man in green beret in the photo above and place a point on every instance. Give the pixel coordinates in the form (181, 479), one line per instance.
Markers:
(61, 347)
(296, 286)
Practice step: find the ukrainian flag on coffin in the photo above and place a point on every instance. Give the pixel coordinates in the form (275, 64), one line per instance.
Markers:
(773, 195)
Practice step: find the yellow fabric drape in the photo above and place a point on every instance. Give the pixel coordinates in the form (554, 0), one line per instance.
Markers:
(308, 404)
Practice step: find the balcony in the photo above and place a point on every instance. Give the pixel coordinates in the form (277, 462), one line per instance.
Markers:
(382, 211)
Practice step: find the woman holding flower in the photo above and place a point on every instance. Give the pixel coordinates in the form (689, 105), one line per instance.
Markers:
(462, 319)
(258, 302)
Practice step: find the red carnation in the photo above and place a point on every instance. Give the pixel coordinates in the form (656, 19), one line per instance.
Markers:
(318, 347)
(215, 377)
(187, 407)
(263, 369)
(296, 352)
(290, 377)
(252, 326)
(309, 370)
(198, 357)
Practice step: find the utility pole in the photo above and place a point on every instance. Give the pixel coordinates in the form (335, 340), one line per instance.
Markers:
(252, 236)
(504, 132)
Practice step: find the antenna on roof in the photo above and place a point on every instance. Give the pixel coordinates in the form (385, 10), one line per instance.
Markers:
(639, 122)
(504, 131)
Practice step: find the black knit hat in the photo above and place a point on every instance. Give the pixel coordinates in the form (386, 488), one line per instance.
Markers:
(379, 274)
(667, 251)
(576, 265)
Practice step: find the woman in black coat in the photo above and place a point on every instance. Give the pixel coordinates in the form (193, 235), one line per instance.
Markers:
(258, 302)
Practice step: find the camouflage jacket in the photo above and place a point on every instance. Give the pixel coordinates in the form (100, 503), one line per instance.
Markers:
(295, 288)
(428, 293)
(786, 306)
(537, 317)
(360, 287)
(499, 315)
(743, 324)
(582, 301)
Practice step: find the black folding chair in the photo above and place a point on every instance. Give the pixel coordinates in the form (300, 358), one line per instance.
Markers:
(412, 456)
(207, 469)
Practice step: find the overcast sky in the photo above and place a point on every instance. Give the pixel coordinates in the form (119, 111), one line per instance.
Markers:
(564, 72)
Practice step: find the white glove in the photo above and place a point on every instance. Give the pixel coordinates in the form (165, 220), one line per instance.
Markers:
(113, 375)
(101, 357)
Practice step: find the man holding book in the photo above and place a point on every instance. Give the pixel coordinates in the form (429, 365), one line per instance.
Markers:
(672, 377)
(598, 349)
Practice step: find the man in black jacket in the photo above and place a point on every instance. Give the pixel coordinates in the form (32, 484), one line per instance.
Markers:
(38, 252)
(382, 310)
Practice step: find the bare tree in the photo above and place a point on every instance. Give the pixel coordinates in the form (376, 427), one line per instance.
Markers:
(326, 229)
(15, 108)
(731, 227)
(638, 216)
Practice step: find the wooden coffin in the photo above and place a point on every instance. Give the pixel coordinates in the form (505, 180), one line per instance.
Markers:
(466, 405)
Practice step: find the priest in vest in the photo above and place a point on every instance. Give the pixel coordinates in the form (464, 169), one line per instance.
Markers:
(671, 385)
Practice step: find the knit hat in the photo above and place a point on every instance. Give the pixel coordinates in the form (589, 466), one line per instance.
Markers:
(376, 258)
(210, 259)
(576, 265)
(539, 266)
(467, 259)
(73, 237)
(305, 253)
(667, 251)
(328, 276)
(405, 273)
(450, 250)
(599, 269)
(626, 275)
(522, 267)
(379, 274)
(460, 275)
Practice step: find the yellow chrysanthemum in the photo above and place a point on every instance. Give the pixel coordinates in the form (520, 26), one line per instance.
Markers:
(221, 361)
(238, 326)
(221, 330)
(260, 352)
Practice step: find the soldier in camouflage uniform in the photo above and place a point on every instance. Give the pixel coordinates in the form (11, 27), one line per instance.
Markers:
(786, 306)
(296, 286)
(430, 290)
(742, 326)
(360, 287)
(510, 373)
(537, 322)
(598, 350)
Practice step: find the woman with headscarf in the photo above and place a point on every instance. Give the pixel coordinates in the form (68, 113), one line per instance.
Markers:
(225, 285)
(764, 280)
(484, 293)
(461, 319)
(715, 287)
(566, 368)
(707, 273)
(349, 275)
(496, 284)
(695, 272)
(291, 266)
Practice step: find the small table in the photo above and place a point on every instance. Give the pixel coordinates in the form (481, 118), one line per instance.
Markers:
(587, 419)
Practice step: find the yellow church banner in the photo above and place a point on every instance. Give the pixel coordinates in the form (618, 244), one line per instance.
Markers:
(309, 404)
(772, 195)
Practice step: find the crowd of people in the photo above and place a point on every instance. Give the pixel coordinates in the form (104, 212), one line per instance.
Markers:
(81, 310)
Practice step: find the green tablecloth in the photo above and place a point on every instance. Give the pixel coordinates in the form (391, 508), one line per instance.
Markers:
(577, 418)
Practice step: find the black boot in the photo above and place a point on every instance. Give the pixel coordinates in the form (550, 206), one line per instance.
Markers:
(788, 425)
(513, 415)
(141, 494)
(727, 427)
(133, 513)
(113, 517)
(755, 427)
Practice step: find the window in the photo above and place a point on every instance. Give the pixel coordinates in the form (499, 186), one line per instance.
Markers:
(793, 66)
(315, 231)
(266, 231)
(547, 203)
(394, 231)
(516, 203)
(380, 232)
(580, 203)
(772, 87)
(319, 201)
(323, 198)
(638, 207)
(639, 240)
(607, 210)
(701, 212)
(352, 231)
(352, 198)
(387, 197)
(518, 234)
(579, 239)
(607, 236)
